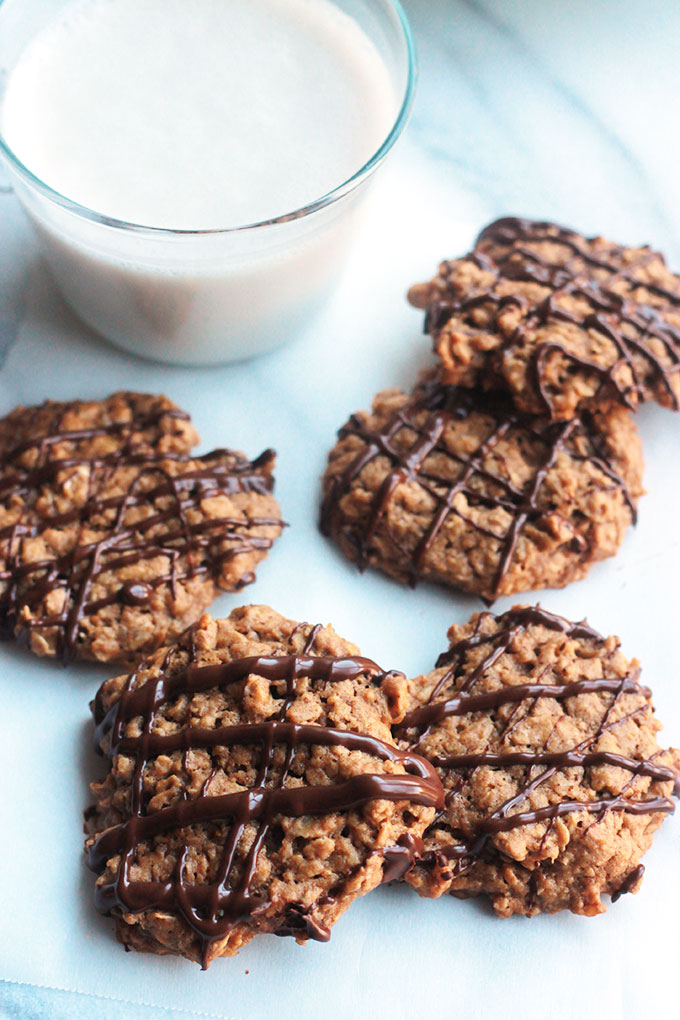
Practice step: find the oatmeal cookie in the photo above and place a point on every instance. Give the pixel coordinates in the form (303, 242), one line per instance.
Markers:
(253, 787)
(456, 486)
(546, 744)
(562, 321)
(113, 537)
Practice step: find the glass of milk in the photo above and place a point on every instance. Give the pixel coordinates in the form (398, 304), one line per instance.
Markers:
(194, 169)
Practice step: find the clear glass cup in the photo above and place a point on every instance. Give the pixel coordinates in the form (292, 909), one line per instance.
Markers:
(203, 296)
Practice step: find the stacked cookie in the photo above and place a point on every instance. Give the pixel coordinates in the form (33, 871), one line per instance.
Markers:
(515, 464)
(563, 322)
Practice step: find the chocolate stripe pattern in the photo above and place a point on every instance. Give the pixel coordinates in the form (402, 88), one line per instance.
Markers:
(158, 515)
(540, 763)
(212, 909)
(412, 442)
(645, 342)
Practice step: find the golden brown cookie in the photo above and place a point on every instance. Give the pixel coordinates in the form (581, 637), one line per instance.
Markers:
(253, 787)
(546, 744)
(456, 486)
(113, 537)
(562, 321)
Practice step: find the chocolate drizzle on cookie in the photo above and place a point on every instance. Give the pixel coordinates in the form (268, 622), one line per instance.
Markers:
(213, 909)
(515, 231)
(425, 418)
(155, 517)
(642, 337)
(630, 883)
(540, 764)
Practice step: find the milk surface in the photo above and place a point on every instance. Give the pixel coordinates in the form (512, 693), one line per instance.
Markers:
(197, 114)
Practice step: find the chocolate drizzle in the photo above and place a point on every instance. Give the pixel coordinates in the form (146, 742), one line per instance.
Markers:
(155, 517)
(541, 764)
(642, 336)
(398, 859)
(425, 417)
(213, 909)
(629, 883)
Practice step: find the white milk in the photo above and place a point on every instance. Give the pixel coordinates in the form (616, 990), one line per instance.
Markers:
(196, 115)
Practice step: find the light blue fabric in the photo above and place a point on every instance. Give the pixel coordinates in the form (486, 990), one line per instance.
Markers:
(28, 1002)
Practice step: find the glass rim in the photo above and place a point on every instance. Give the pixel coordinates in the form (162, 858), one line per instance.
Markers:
(332, 196)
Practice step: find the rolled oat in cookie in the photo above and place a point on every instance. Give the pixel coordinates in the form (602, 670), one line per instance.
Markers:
(546, 744)
(456, 486)
(562, 321)
(254, 787)
(113, 536)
